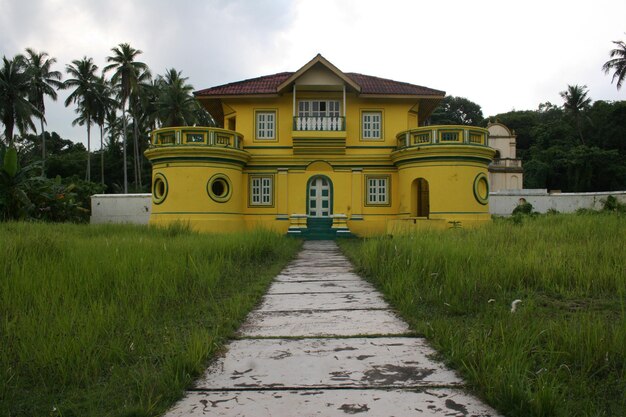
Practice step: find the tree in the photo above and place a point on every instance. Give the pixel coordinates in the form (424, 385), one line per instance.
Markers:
(15, 109)
(617, 63)
(126, 76)
(176, 106)
(43, 82)
(576, 103)
(103, 105)
(456, 111)
(84, 73)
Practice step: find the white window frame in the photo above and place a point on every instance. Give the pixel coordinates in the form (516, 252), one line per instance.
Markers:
(319, 108)
(377, 190)
(262, 190)
(372, 124)
(265, 125)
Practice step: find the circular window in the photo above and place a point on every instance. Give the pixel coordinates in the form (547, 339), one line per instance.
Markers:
(219, 188)
(159, 188)
(481, 188)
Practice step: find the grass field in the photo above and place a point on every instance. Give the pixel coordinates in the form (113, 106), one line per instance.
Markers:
(117, 320)
(562, 352)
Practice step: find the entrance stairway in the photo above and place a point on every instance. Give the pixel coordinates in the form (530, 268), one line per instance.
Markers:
(319, 228)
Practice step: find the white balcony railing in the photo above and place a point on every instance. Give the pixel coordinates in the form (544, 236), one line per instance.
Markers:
(319, 123)
(506, 163)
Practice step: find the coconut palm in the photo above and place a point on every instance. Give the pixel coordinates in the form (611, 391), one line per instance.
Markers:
(576, 102)
(176, 106)
(135, 103)
(103, 105)
(43, 82)
(125, 77)
(617, 63)
(83, 95)
(15, 109)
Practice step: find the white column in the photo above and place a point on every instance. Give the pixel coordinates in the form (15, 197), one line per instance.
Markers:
(294, 100)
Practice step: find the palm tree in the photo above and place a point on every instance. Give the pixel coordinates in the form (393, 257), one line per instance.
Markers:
(103, 105)
(135, 105)
(15, 109)
(126, 77)
(176, 106)
(84, 73)
(617, 63)
(43, 82)
(576, 102)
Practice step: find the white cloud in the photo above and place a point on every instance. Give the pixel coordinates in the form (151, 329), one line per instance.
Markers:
(502, 55)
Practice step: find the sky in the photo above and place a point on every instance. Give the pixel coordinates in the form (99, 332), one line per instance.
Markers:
(503, 55)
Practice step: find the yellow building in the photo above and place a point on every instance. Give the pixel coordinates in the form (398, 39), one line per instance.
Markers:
(320, 153)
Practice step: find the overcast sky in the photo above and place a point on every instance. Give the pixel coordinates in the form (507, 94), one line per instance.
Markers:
(503, 55)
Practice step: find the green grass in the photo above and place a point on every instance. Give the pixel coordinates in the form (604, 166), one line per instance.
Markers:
(563, 352)
(117, 320)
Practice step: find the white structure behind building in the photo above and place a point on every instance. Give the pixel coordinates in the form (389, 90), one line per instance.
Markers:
(505, 172)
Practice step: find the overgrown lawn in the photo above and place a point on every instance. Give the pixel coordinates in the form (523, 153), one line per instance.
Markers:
(117, 320)
(562, 352)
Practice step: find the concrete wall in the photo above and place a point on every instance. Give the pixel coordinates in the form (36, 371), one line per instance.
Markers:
(503, 202)
(136, 208)
(121, 208)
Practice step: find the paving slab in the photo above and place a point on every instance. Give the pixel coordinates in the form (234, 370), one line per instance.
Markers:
(323, 301)
(332, 403)
(306, 287)
(382, 362)
(303, 352)
(322, 323)
(334, 276)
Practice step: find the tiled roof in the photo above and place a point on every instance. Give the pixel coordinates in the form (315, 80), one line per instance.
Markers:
(268, 85)
(260, 85)
(376, 85)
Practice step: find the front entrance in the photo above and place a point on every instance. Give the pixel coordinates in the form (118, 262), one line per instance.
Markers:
(320, 197)
(319, 208)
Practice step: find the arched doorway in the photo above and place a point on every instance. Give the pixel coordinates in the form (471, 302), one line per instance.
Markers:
(319, 197)
(422, 198)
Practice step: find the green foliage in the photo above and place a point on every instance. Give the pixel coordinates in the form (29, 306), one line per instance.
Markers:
(523, 208)
(550, 143)
(26, 195)
(457, 111)
(116, 320)
(562, 352)
(10, 165)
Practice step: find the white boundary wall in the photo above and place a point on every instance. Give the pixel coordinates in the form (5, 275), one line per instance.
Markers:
(136, 208)
(121, 208)
(503, 202)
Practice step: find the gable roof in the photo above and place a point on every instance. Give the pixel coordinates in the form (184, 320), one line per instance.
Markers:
(319, 59)
(275, 83)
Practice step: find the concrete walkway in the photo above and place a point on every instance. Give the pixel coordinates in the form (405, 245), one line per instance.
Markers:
(325, 343)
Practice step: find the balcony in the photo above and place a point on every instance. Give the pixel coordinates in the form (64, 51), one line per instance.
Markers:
(195, 143)
(196, 136)
(506, 165)
(442, 135)
(319, 123)
(443, 143)
(319, 135)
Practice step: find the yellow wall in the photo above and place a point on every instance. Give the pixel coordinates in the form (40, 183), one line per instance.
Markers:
(450, 170)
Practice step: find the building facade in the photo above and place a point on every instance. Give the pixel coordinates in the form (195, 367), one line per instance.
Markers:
(320, 153)
(505, 171)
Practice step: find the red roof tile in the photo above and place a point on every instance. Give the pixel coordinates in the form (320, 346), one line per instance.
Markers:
(268, 85)
(376, 85)
(260, 85)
